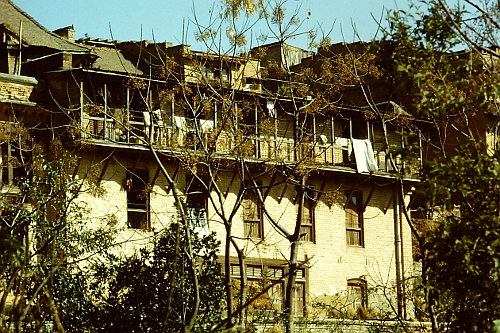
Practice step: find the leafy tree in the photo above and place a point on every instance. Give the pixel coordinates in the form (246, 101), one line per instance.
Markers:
(43, 237)
(150, 291)
(457, 91)
(463, 250)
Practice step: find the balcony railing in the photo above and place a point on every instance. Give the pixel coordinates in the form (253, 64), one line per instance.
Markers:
(224, 143)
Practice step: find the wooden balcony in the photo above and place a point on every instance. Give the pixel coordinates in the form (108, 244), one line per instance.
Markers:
(222, 143)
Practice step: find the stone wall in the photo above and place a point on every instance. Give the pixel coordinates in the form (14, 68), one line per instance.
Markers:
(16, 87)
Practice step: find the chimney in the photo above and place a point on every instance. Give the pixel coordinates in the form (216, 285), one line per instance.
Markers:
(67, 33)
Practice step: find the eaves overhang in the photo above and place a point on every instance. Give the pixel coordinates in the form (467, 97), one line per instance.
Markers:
(339, 170)
(17, 102)
(104, 72)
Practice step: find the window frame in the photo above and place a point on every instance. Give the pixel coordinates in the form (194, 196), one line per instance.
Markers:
(310, 205)
(354, 198)
(196, 201)
(249, 224)
(276, 272)
(12, 165)
(137, 181)
(300, 302)
(355, 287)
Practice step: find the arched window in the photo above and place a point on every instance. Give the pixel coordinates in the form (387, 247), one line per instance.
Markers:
(357, 294)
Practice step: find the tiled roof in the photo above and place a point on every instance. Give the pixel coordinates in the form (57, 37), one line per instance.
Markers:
(33, 33)
(111, 59)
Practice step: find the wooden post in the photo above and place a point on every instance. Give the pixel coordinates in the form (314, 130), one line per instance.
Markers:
(106, 134)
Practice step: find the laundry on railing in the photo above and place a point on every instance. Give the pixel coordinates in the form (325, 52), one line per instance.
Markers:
(365, 159)
(323, 139)
(147, 118)
(157, 117)
(345, 143)
(207, 125)
(180, 122)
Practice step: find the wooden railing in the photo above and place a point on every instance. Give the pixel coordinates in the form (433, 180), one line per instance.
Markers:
(224, 143)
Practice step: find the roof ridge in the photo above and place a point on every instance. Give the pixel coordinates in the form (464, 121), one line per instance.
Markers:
(39, 25)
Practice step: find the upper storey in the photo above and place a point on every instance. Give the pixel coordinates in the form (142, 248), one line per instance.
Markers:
(131, 95)
(182, 65)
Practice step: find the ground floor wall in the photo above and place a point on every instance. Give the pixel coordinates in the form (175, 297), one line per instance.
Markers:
(338, 277)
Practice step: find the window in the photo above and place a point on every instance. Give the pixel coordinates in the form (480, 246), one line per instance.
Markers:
(351, 129)
(224, 73)
(11, 162)
(258, 278)
(354, 128)
(217, 73)
(353, 206)
(357, 294)
(252, 214)
(300, 293)
(261, 276)
(307, 223)
(197, 195)
(137, 187)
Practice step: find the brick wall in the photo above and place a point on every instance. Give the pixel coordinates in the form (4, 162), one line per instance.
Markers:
(15, 87)
(330, 261)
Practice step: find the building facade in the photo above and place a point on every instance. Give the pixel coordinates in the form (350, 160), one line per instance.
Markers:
(247, 161)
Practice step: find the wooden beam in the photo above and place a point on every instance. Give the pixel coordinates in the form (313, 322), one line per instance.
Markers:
(318, 195)
(188, 184)
(297, 196)
(174, 178)
(283, 192)
(157, 173)
(389, 203)
(230, 184)
(369, 198)
(103, 171)
(271, 184)
(351, 193)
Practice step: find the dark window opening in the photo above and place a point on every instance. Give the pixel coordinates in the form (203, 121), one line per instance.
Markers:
(196, 202)
(308, 218)
(359, 129)
(218, 74)
(12, 162)
(138, 100)
(354, 128)
(249, 121)
(137, 186)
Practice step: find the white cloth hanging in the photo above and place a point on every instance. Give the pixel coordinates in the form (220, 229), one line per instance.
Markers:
(365, 158)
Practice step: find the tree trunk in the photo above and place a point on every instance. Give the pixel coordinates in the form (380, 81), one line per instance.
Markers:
(227, 275)
(293, 262)
(290, 288)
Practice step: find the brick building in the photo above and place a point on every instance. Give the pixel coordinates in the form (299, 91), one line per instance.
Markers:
(242, 155)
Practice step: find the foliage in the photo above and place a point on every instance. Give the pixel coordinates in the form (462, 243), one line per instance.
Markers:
(132, 293)
(420, 57)
(77, 308)
(43, 235)
(463, 250)
(457, 91)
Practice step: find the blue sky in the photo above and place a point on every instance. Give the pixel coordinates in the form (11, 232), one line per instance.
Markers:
(166, 17)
